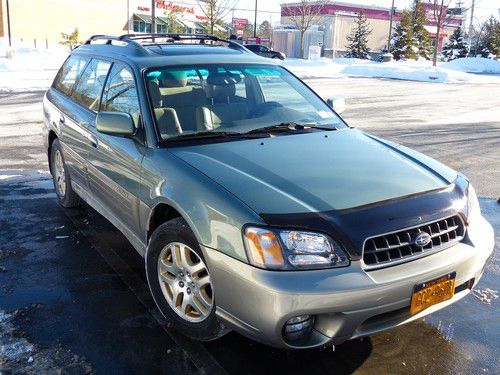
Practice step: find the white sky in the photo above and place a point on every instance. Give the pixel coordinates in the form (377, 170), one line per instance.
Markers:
(484, 8)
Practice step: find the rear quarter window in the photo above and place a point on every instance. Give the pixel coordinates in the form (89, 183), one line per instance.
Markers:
(69, 73)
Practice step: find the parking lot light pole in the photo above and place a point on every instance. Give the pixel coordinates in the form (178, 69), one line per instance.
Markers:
(8, 24)
(390, 28)
(255, 21)
(153, 14)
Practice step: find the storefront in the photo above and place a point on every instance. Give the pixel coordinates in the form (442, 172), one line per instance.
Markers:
(337, 20)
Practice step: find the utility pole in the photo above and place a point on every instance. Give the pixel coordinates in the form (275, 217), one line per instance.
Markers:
(153, 14)
(471, 26)
(255, 21)
(390, 28)
(8, 24)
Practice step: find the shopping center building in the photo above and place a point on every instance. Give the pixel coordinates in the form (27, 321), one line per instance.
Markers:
(337, 19)
(43, 21)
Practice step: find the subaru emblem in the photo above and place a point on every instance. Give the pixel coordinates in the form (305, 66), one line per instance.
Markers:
(423, 239)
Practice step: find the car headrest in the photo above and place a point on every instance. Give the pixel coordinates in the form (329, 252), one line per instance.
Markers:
(221, 94)
(173, 79)
(154, 92)
(223, 79)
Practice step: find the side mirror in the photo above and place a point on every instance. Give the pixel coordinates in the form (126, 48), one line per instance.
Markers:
(115, 123)
(337, 103)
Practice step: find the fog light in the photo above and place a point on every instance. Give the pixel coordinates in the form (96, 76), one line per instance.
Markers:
(298, 328)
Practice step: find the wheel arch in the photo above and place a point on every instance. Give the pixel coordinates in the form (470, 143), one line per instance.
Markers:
(51, 138)
(161, 213)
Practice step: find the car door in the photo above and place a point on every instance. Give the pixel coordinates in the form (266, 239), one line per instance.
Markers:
(264, 51)
(114, 162)
(68, 117)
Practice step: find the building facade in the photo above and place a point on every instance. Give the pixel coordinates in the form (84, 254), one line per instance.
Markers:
(337, 20)
(43, 21)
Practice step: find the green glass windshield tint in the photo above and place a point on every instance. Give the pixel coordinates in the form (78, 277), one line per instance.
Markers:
(233, 98)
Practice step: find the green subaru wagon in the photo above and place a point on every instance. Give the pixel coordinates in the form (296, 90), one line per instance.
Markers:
(255, 206)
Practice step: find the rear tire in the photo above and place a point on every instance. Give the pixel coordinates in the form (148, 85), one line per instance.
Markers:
(180, 282)
(66, 196)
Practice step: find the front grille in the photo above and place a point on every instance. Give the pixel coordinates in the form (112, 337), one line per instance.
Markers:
(398, 247)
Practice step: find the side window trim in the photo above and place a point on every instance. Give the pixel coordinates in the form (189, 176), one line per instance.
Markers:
(101, 97)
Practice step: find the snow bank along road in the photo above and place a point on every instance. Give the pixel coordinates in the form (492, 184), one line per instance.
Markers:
(73, 290)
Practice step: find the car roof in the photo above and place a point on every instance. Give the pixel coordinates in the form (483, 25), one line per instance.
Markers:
(168, 49)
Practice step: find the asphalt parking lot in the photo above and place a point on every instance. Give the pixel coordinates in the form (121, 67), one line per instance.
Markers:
(73, 295)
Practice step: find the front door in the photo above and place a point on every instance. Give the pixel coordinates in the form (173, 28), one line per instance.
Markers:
(114, 162)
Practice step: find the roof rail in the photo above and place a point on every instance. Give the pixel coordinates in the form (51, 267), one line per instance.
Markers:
(134, 41)
(178, 37)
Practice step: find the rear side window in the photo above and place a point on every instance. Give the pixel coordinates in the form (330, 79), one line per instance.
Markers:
(89, 87)
(69, 73)
(120, 94)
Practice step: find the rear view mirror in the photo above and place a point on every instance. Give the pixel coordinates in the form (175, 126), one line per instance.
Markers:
(115, 123)
(337, 103)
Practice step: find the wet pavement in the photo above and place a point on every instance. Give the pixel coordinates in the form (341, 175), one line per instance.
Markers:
(74, 299)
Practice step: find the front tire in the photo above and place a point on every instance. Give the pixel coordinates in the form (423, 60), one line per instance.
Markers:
(66, 196)
(180, 281)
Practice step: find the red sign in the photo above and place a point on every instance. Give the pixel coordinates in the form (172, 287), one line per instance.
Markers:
(144, 9)
(240, 21)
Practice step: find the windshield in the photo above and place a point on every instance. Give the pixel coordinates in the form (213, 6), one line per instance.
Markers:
(236, 98)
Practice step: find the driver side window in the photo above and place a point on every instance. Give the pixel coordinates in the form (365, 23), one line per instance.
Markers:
(120, 93)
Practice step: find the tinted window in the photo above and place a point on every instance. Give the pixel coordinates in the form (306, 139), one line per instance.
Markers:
(89, 87)
(69, 73)
(120, 94)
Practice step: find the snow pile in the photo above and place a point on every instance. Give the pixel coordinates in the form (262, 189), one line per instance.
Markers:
(30, 69)
(474, 65)
(456, 71)
(11, 347)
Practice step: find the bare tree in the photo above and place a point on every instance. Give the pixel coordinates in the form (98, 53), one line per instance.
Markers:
(303, 14)
(439, 9)
(215, 11)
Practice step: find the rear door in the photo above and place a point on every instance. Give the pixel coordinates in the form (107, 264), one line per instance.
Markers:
(68, 116)
(115, 161)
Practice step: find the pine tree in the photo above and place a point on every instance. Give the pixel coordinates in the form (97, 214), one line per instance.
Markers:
(421, 37)
(489, 45)
(402, 43)
(456, 47)
(358, 40)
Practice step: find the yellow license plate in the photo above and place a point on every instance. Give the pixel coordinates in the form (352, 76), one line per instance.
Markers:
(432, 292)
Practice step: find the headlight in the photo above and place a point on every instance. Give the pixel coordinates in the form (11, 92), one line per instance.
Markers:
(473, 209)
(292, 250)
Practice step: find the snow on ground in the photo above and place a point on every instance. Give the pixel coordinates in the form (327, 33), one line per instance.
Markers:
(31, 69)
(460, 70)
(34, 69)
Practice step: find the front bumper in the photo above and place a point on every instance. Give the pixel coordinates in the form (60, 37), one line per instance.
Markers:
(347, 302)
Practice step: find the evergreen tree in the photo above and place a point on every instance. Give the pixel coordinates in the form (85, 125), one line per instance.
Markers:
(421, 37)
(411, 40)
(456, 47)
(489, 44)
(402, 43)
(358, 40)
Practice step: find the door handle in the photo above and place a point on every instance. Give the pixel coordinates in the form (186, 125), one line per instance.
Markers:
(62, 120)
(93, 141)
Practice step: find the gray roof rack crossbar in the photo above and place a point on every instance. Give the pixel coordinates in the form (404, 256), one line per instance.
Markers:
(179, 37)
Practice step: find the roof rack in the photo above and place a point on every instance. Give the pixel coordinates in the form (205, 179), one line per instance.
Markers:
(137, 40)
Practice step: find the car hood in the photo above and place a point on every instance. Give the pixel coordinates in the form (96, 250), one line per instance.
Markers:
(316, 171)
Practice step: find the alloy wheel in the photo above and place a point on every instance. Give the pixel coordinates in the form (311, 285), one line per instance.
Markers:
(60, 174)
(185, 282)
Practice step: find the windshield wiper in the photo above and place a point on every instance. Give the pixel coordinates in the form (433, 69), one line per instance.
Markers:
(290, 125)
(208, 134)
